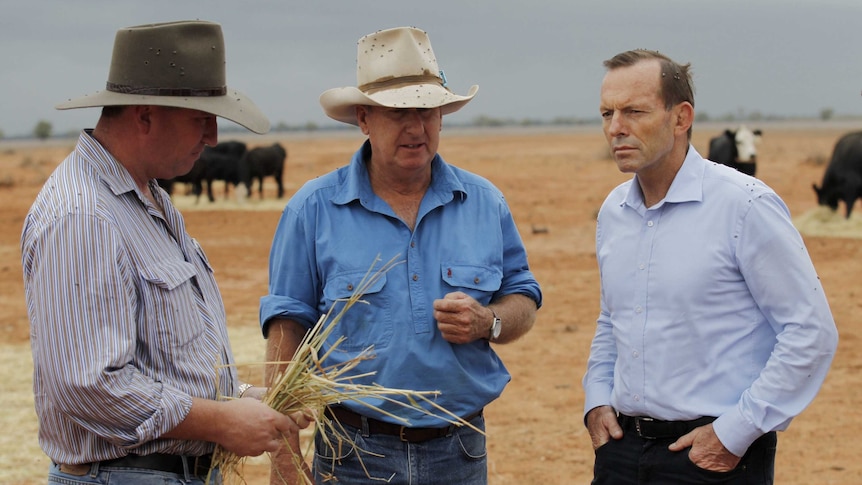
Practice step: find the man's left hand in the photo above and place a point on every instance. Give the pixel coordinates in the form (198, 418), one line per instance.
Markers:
(707, 451)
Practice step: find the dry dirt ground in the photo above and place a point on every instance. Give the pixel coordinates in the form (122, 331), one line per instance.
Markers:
(554, 182)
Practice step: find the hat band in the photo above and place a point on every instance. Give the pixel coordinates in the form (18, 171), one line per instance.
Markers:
(398, 82)
(126, 89)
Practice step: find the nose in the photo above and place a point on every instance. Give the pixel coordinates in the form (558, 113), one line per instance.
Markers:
(414, 122)
(614, 125)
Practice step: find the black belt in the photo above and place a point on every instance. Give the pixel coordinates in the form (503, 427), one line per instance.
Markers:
(374, 426)
(654, 429)
(198, 466)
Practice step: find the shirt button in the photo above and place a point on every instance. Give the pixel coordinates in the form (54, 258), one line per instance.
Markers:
(412, 244)
(649, 223)
(638, 309)
(415, 277)
(349, 287)
(635, 354)
(636, 397)
(476, 280)
(641, 266)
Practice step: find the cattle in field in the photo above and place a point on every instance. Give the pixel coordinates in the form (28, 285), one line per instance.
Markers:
(843, 177)
(222, 162)
(262, 162)
(219, 162)
(736, 149)
(194, 178)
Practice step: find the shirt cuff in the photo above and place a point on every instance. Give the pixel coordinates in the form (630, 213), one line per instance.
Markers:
(735, 432)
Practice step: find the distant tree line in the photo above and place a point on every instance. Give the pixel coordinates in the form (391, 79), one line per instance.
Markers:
(44, 129)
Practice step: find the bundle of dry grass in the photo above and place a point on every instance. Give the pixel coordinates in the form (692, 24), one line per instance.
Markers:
(307, 385)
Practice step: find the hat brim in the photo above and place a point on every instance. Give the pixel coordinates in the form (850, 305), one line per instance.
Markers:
(339, 103)
(233, 106)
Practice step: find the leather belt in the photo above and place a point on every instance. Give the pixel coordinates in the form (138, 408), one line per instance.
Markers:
(405, 433)
(197, 466)
(655, 429)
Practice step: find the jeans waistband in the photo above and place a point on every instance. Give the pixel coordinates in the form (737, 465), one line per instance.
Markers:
(197, 466)
(374, 426)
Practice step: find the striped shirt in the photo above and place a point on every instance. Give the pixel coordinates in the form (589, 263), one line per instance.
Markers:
(126, 322)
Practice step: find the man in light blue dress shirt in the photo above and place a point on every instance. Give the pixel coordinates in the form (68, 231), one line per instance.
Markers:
(463, 282)
(714, 330)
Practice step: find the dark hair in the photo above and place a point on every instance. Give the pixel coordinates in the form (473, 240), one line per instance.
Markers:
(676, 85)
(112, 111)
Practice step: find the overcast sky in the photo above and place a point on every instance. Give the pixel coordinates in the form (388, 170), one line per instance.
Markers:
(537, 59)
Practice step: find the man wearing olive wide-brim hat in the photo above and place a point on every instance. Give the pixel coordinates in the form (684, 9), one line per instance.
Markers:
(464, 285)
(130, 347)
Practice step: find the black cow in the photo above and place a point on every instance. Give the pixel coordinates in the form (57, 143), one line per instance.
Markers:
(220, 162)
(194, 177)
(262, 162)
(736, 149)
(843, 177)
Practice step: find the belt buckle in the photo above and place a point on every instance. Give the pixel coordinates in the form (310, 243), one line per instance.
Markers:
(639, 430)
(401, 433)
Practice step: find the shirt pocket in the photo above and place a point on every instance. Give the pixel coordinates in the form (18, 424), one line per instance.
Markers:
(478, 281)
(169, 303)
(369, 321)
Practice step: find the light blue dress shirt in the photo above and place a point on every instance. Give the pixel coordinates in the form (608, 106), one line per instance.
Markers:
(710, 306)
(465, 239)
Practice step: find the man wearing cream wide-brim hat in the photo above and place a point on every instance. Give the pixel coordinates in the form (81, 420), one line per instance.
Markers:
(119, 291)
(464, 285)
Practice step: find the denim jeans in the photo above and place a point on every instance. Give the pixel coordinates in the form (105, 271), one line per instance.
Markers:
(127, 476)
(633, 460)
(458, 458)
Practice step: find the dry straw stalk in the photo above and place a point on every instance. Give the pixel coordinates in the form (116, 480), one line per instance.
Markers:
(306, 384)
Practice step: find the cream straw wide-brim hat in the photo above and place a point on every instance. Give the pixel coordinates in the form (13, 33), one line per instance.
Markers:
(395, 68)
(179, 64)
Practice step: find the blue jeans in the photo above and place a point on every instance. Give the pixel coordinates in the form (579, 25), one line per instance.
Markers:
(461, 458)
(127, 476)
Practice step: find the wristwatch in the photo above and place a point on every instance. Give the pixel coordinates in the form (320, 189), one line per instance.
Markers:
(243, 388)
(496, 327)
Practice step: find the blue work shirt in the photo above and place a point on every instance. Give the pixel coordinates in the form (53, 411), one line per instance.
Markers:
(465, 239)
(710, 306)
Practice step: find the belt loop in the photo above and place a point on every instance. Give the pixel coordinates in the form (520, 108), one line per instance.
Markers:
(365, 430)
(94, 470)
(186, 472)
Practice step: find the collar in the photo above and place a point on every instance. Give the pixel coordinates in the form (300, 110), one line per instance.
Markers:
(687, 185)
(356, 185)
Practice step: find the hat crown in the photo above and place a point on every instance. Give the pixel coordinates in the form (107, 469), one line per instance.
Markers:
(395, 68)
(402, 53)
(170, 55)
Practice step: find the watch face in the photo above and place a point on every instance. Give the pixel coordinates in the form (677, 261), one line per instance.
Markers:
(495, 330)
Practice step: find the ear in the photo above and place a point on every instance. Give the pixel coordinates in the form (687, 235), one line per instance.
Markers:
(362, 118)
(143, 117)
(684, 117)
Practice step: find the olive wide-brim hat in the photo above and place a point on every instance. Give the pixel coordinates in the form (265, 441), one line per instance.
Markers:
(179, 64)
(395, 68)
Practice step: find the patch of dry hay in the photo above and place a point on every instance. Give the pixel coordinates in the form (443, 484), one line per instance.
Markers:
(822, 221)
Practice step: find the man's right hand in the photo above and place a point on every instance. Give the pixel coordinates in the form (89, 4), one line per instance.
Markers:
(603, 425)
(259, 428)
(245, 427)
